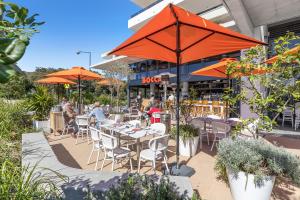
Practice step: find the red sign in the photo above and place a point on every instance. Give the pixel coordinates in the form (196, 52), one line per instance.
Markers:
(147, 80)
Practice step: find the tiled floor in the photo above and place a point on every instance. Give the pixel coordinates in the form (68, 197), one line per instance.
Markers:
(203, 179)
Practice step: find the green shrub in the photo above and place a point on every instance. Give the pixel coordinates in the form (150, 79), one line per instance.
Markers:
(140, 187)
(186, 131)
(27, 183)
(256, 157)
(14, 120)
(104, 99)
(41, 103)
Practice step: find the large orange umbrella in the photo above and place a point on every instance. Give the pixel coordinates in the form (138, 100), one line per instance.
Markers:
(219, 70)
(55, 81)
(77, 73)
(292, 51)
(178, 36)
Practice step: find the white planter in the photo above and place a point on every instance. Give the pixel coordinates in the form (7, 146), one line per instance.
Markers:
(243, 187)
(42, 125)
(189, 146)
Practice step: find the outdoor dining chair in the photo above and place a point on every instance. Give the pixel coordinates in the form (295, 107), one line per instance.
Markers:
(158, 128)
(83, 127)
(66, 126)
(96, 146)
(157, 150)
(200, 125)
(220, 131)
(287, 115)
(113, 152)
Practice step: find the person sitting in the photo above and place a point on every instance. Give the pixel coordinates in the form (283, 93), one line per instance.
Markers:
(98, 113)
(154, 109)
(63, 102)
(69, 116)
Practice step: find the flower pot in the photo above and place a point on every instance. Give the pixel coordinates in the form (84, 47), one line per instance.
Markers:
(243, 187)
(189, 146)
(42, 125)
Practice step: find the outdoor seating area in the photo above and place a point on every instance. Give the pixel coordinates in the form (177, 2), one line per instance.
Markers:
(201, 101)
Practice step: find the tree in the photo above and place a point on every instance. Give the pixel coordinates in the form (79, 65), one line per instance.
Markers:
(16, 29)
(17, 87)
(271, 92)
(116, 73)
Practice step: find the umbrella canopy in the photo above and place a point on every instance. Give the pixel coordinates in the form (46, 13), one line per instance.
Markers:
(198, 38)
(292, 51)
(219, 70)
(178, 36)
(77, 73)
(55, 80)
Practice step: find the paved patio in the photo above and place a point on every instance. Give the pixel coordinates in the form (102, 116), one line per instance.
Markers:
(204, 178)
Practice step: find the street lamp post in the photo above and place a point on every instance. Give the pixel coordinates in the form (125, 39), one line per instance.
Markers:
(90, 56)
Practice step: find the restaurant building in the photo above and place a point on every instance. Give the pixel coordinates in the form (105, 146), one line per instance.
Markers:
(263, 20)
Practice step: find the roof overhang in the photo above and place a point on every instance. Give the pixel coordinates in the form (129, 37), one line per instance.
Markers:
(104, 65)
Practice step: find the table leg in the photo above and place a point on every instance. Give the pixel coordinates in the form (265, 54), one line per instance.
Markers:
(138, 149)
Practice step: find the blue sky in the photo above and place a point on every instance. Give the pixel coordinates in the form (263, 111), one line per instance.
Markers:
(92, 25)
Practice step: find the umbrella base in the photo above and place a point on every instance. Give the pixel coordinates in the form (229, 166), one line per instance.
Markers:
(181, 170)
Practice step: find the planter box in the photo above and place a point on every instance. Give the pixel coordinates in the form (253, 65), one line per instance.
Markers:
(243, 187)
(189, 146)
(42, 125)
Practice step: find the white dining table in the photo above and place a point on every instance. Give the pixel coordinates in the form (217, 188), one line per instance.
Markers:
(128, 130)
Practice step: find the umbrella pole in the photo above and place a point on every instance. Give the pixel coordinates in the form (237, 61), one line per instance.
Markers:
(177, 90)
(79, 94)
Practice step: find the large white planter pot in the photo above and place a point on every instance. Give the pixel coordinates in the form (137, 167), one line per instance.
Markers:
(42, 125)
(189, 146)
(243, 187)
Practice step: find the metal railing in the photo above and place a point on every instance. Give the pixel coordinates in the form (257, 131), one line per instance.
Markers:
(151, 5)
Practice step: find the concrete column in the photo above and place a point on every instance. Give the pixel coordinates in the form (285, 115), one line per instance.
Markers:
(185, 89)
(260, 33)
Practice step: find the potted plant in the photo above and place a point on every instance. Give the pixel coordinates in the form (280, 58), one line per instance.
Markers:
(41, 103)
(188, 139)
(251, 166)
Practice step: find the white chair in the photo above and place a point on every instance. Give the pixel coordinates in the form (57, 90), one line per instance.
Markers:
(297, 119)
(158, 128)
(220, 131)
(157, 150)
(200, 125)
(287, 115)
(96, 146)
(156, 117)
(112, 151)
(83, 127)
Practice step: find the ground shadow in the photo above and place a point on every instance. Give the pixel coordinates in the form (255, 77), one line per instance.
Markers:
(64, 156)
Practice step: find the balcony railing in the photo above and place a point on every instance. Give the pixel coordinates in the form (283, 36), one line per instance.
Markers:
(151, 5)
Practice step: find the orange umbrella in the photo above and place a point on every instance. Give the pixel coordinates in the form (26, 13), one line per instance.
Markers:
(220, 70)
(292, 51)
(55, 80)
(178, 36)
(78, 73)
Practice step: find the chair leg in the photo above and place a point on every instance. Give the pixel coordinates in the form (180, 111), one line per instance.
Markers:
(130, 162)
(282, 122)
(112, 164)
(154, 166)
(207, 138)
(213, 143)
(96, 167)
(139, 165)
(103, 161)
(77, 135)
(166, 163)
(88, 162)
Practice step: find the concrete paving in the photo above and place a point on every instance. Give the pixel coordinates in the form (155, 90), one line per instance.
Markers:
(57, 157)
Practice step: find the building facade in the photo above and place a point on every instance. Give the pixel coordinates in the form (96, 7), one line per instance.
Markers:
(263, 20)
